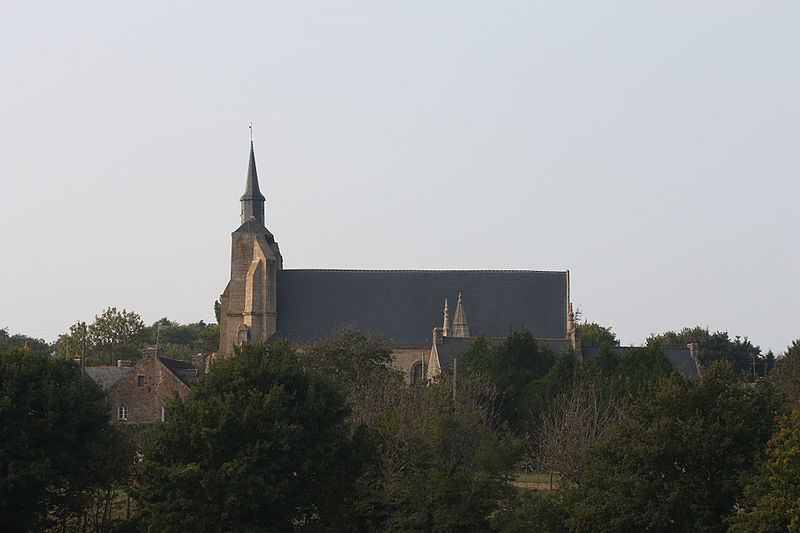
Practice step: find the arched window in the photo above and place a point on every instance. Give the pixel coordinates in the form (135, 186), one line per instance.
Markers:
(417, 372)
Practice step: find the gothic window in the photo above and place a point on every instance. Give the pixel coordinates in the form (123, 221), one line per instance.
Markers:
(122, 412)
(141, 381)
(163, 417)
(417, 372)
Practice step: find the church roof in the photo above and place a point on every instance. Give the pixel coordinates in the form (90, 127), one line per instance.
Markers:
(251, 190)
(403, 306)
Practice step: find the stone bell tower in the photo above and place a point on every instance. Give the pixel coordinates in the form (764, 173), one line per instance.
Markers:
(249, 302)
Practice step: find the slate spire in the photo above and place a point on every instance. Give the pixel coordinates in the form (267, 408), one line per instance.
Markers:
(460, 327)
(252, 199)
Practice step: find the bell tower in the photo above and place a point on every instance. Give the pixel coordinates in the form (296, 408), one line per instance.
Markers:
(249, 302)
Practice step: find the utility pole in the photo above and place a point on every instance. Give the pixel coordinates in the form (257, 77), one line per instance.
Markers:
(83, 352)
(455, 376)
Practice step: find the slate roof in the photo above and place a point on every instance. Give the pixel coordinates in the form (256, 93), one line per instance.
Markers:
(252, 225)
(679, 357)
(403, 306)
(106, 376)
(183, 370)
(451, 348)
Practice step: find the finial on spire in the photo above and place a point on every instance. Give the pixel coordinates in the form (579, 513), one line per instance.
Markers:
(251, 132)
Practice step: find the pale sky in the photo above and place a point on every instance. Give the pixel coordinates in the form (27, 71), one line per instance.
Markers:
(650, 148)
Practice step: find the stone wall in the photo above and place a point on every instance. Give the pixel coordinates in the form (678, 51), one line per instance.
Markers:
(144, 397)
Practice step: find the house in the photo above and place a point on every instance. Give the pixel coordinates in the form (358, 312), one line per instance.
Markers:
(138, 393)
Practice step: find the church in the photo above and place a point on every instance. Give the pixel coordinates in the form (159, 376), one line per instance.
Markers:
(408, 309)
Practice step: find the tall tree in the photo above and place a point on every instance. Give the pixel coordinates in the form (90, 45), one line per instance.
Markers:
(258, 444)
(678, 459)
(116, 335)
(53, 426)
(593, 334)
(772, 501)
(787, 373)
(514, 367)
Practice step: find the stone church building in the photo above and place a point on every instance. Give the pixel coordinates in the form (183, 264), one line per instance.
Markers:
(407, 308)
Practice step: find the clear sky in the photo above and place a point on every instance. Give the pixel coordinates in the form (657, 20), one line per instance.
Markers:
(650, 148)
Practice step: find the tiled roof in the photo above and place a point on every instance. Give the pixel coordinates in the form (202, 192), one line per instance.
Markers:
(403, 306)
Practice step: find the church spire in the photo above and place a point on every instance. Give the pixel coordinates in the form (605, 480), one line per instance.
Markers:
(460, 327)
(252, 199)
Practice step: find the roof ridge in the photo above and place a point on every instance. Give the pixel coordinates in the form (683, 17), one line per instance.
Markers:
(419, 270)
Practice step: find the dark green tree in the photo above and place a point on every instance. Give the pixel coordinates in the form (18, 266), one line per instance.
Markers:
(439, 464)
(259, 444)
(53, 428)
(717, 346)
(677, 460)
(19, 340)
(593, 334)
(515, 367)
(787, 373)
(772, 502)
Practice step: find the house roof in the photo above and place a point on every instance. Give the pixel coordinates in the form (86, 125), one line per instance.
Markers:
(183, 370)
(106, 376)
(680, 358)
(403, 306)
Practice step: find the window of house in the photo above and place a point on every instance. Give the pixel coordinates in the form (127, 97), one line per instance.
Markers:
(141, 381)
(122, 412)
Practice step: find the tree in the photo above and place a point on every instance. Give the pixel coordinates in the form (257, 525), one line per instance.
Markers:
(257, 444)
(593, 334)
(772, 500)
(116, 335)
(439, 464)
(53, 425)
(787, 373)
(677, 460)
(717, 346)
(513, 367)
(21, 341)
(575, 421)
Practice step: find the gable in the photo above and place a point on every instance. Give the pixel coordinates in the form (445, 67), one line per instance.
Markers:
(403, 306)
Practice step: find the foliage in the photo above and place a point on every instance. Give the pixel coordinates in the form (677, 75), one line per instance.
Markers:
(574, 422)
(257, 444)
(773, 496)
(717, 346)
(21, 341)
(593, 334)
(787, 373)
(677, 459)
(53, 431)
(115, 335)
(529, 510)
(360, 365)
(181, 341)
(440, 464)
(515, 367)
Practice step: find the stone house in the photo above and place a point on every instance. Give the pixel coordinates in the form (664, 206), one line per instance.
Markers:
(138, 393)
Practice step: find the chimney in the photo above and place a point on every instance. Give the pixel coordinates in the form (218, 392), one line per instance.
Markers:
(123, 363)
